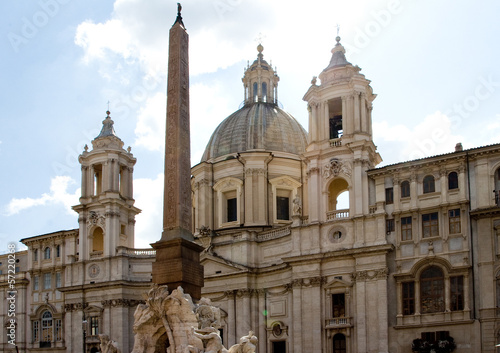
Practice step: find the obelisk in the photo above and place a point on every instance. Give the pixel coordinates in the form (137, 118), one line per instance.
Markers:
(177, 255)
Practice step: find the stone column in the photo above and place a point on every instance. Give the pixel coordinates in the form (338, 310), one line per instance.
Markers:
(364, 123)
(396, 187)
(357, 122)
(262, 320)
(443, 176)
(369, 121)
(360, 323)
(383, 334)
(92, 181)
(413, 190)
(344, 113)
(399, 296)
(231, 318)
(314, 200)
(349, 119)
(326, 122)
(314, 127)
(309, 127)
(84, 181)
(296, 336)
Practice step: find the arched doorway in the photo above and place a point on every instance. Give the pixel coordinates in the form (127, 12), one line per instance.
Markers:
(339, 343)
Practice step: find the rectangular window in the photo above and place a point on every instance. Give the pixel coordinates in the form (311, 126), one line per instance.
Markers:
(429, 337)
(389, 196)
(430, 225)
(454, 217)
(408, 298)
(338, 305)
(282, 208)
(35, 282)
(406, 228)
(58, 279)
(94, 326)
(389, 225)
(36, 331)
(232, 210)
(457, 293)
(58, 330)
(47, 280)
(405, 189)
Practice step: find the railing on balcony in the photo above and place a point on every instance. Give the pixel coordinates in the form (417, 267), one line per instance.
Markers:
(336, 142)
(337, 214)
(338, 322)
(122, 250)
(95, 254)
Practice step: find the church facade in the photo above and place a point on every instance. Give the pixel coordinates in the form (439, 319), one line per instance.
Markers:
(307, 242)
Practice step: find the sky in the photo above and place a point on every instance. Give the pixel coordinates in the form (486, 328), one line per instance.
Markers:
(433, 64)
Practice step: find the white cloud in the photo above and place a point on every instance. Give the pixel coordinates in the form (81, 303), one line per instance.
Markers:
(58, 195)
(430, 137)
(209, 106)
(150, 128)
(148, 194)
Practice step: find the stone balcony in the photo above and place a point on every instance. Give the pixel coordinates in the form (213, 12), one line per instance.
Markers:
(337, 214)
(338, 322)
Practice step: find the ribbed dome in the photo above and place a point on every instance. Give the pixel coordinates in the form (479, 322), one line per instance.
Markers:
(257, 126)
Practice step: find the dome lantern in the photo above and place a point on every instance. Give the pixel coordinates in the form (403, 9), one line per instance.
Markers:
(260, 81)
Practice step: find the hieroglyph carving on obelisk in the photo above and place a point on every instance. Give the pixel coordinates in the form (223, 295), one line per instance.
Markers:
(177, 195)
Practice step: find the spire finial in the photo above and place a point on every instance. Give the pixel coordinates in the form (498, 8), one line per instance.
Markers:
(338, 37)
(179, 17)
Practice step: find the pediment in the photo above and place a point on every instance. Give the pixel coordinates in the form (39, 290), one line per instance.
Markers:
(214, 265)
(337, 283)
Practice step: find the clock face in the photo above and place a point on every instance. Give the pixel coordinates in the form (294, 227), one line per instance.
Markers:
(94, 270)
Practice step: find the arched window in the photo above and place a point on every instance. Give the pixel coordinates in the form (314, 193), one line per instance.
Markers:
(452, 181)
(58, 251)
(264, 92)
(497, 187)
(432, 290)
(47, 329)
(255, 92)
(338, 195)
(46, 253)
(35, 255)
(405, 189)
(429, 185)
(46, 337)
(339, 344)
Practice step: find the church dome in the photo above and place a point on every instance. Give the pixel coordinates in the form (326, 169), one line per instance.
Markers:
(257, 126)
(260, 124)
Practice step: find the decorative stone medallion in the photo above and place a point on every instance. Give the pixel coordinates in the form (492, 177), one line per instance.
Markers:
(94, 270)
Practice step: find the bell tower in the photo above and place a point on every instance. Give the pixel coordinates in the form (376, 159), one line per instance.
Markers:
(106, 210)
(341, 148)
